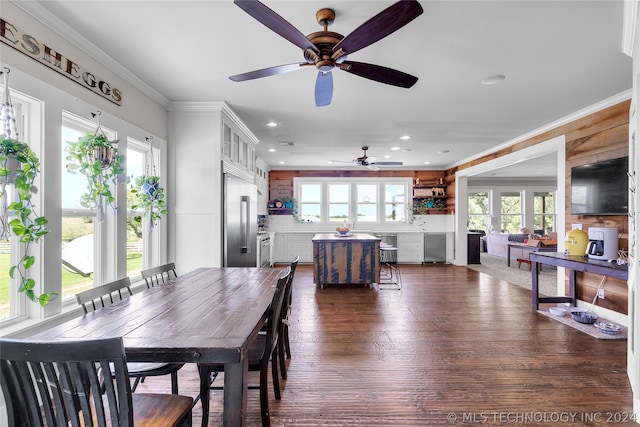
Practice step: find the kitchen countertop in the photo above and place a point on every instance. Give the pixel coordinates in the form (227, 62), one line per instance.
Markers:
(356, 231)
(353, 236)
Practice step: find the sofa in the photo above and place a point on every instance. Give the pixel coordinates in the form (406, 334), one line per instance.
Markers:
(497, 244)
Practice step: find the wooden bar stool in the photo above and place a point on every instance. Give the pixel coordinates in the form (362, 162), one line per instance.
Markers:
(390, 277)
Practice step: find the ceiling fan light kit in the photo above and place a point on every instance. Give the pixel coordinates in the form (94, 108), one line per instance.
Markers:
(327, 50)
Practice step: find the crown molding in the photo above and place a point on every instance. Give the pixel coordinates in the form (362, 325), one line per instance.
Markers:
(629, 23)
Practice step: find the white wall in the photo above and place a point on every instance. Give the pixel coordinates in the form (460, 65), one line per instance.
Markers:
(137, 108)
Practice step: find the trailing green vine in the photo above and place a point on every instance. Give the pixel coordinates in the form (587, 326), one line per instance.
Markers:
(149, 196)
(291, 203)
(98, 160)
(19, 166)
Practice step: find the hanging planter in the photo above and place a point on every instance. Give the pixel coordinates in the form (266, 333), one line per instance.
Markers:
(150, 186)
(19, 167)
(9, 165)
(97, 158)
(103, 155)
(147, 192)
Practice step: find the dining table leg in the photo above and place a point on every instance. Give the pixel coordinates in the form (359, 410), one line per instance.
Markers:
(235, 393)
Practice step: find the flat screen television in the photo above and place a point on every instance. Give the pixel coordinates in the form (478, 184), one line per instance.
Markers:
(600, 188)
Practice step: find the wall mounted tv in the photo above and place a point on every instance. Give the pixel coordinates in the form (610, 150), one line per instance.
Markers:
(600, 188)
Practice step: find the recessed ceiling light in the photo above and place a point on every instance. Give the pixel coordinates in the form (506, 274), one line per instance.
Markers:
(387, 156)
(330, 162)
(405, 137)
(271, 150)
(272, 124)
(491, 80)
(281, 162)
(395, 148)
(427, 163)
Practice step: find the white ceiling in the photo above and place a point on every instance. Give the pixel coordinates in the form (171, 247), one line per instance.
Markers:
(558, 57)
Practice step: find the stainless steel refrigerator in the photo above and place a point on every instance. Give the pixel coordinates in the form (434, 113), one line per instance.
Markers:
(240, 231)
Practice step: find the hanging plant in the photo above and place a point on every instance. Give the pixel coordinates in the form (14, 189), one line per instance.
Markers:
(97, 158)
(149, 196)
(147, 192)
(19, 167)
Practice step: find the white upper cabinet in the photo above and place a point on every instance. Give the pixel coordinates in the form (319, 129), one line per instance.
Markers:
(238, 145)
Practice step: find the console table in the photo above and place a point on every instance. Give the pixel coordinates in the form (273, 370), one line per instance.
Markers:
(573, 264)
(525, 247)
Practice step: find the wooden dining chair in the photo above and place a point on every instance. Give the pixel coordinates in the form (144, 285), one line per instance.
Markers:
(155, 276)
(263, 349)
(284, 348)
(48, 384)
(104, 295)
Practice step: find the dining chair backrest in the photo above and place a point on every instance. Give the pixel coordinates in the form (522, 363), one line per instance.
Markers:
(102, 296)
(289, 289)
(61, 383)
(274, 316)
(155, 276)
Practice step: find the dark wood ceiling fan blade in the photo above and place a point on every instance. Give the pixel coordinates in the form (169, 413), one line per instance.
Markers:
(379, 73)
(324, 88)
(275, 23)
(266, 72)
(380, 26)
(388, 163)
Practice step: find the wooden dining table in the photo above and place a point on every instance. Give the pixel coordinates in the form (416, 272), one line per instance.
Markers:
(208, 315)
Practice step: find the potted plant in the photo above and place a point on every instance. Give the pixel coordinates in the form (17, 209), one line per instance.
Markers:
(97, 158)
(149, 196)
(291, 203)
(19, 167)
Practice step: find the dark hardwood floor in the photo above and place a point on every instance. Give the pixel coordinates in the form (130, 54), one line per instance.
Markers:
(453, 347)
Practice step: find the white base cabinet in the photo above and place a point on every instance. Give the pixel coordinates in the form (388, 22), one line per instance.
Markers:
(289, 245)
(410, 248)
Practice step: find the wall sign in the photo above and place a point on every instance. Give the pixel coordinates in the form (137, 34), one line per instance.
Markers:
(44, 54)
(279, 189)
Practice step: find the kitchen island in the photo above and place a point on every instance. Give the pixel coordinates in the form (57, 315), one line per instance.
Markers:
(348, 259)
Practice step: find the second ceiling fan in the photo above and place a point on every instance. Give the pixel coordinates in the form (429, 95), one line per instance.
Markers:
(327, 50)
(369, 162)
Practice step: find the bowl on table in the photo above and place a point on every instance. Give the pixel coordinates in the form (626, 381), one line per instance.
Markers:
(558, 311)
(583, 316)
(343, 231)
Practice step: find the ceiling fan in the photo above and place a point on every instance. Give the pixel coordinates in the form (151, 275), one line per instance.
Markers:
(369, 162)
(327, 50)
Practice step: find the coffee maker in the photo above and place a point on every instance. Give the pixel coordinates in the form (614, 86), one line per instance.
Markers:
(603, 243)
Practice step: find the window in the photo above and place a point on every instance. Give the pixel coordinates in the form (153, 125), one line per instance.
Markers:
(478, 210)
(310, 202)
(136, 164)
(12, 303)
(367, 195)
(142, 242)
(80, 233)
(353, 200)
(338, 201)
(544, 217)
(510, 212)
(395, 199)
